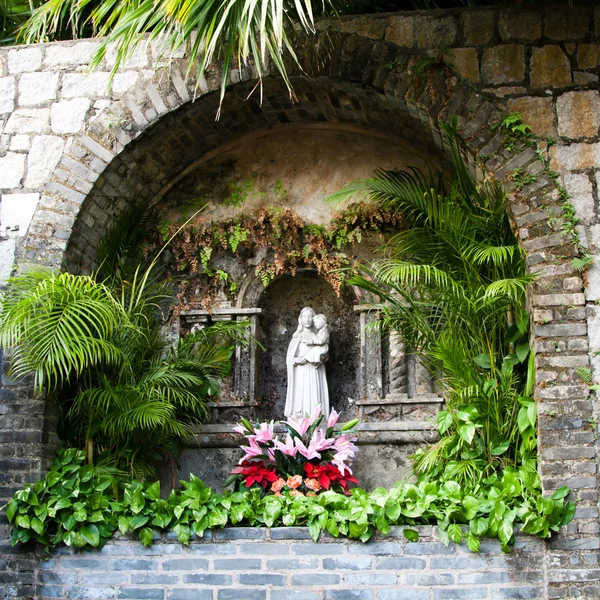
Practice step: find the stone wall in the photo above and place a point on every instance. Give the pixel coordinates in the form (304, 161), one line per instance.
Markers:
(75, 153)
(284, 564)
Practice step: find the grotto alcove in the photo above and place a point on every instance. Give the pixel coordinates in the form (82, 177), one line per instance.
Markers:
(281, 303)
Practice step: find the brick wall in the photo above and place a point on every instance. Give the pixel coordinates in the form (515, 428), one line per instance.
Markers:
(283, 564)
(73, 154)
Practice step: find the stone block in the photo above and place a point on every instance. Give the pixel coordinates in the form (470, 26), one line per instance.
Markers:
(536, 112)
(559, 300)
(550, 67)
(292, 564)
(45, 154)
(186, 564)
(520, 25)
(28, 120)
(396, 563)
(324, 549)
(262, 579)
(137, 59)
(399, 31)
(503, 64)
(404, 593)
(125, 564)
(575, 157)
(92, 593)
(348, 594)
(566, 22)
(123, 82)
(588, 56)
(290, 533)
(312, 579)
(478, 26)
(142, 593)
(68, 116)
(16, 213)
(371, 579)
(278, 549)
(12, 169)
(344, 564)
(460, 593)
(24, 60)
(94, 85)
(66, 55)
(189, 594)
(240, 533)
(433, 32)
(294, 595)
(20, 142)
(36, 89)
(578, 114)
(236, 564)
(583, 78)
(580, 189)
(381, 548)
(207, 579)
(464, 61)
(7, 94)
(428, 579)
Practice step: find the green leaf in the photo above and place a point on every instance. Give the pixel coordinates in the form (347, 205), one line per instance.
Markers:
(472, 542)
(444, 421)
(11, 510)
(37, 526)
(561, 492)
(532, 413)
(123, 524)
(479, 526)
(500, 448)
(315, 531)
(382, 525)
(522, 350)
(523, 419)
(138, 521)
(411, 535)
(483, 361)
(153, 491)
(471, 505)
(146, 536)
(90, 534)
(568, 514)
(467, 432)
(183, 533)
(455, 533)
(505, 531)
(22, 521)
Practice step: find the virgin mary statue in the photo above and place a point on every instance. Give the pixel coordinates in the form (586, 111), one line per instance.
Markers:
(305, 361)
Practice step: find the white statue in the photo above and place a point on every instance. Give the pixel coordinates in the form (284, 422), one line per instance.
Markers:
(305, 360)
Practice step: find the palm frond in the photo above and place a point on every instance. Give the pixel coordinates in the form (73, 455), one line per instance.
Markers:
(239, 33)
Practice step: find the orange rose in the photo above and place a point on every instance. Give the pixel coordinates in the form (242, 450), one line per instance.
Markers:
(278, 485)
(294, 482)
(313, 484)
(296, 493)
(311, 494)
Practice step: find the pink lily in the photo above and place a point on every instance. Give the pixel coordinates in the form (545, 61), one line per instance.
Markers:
(251, 451)
(308, 453)
(299, 424)
(289, 449)
(333, 418)
(343, 444)
(315, 414)
(271, 454)
(320, 442)
(265, 433)
(338, 461)
(240, 429)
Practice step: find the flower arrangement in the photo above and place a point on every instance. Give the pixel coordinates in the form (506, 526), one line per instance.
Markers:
(306, 460)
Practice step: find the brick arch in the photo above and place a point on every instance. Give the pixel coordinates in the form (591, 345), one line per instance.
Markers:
(157, 131)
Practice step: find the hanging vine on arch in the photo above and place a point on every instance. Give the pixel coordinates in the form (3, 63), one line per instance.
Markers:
(273, 240)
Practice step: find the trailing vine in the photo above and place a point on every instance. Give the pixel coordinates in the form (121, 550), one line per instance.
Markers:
(275, 241)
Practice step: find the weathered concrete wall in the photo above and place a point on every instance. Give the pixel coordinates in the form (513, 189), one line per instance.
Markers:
(74, 154)
(283, 564)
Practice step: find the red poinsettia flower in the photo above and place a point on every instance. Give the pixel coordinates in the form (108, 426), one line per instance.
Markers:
(256, 472)
(327, 475)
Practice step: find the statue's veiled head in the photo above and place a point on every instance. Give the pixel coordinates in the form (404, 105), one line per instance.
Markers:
(306, 318)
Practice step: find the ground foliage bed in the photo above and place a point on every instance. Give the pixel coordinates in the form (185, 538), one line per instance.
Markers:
(83, 506)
